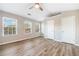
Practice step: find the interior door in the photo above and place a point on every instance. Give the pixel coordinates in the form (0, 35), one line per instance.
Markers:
(49, 29)
(57, 28)
(68, 29)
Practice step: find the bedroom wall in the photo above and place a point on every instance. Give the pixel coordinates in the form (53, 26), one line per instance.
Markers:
(74, 13)
(20, 29)
(57, 24)
(48, 28)
(77, 28)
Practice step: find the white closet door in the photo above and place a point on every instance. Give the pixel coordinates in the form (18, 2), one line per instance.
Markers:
(49, 29)
(68, 29)
(57, 29)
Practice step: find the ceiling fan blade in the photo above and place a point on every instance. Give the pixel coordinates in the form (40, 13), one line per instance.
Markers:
(41, 8)
(31, 7)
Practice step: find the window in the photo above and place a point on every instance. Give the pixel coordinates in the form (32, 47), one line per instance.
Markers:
(9, 26)
(27, 27)
(37, 27)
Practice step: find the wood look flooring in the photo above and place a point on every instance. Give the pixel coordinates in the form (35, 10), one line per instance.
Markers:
(39, 47)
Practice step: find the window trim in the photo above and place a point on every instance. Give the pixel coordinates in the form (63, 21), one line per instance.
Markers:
(30, 27)
(3, 18)
(38, 27)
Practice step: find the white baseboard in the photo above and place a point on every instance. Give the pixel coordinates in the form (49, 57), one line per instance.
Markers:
(63, 41)
(17, 40)
(77, 44)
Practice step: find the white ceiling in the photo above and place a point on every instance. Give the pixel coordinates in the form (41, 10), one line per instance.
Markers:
(22, 9)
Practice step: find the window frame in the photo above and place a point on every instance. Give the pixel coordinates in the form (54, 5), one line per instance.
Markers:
(3, 34)
(38, 27)
(30, 26)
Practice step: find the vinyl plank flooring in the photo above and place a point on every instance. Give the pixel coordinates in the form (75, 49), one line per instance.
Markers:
(39, 47)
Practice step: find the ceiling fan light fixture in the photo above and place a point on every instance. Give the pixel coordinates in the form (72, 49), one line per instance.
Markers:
(37, 6)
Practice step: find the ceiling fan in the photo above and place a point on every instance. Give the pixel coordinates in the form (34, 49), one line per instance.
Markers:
(37, 5)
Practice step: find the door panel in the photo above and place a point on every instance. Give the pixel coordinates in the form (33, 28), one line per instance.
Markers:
(49, 29)
(68, 29)
(57, 25)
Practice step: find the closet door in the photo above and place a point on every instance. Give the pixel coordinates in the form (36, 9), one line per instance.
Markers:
(57, 25)
(68, 29)
(49, 29)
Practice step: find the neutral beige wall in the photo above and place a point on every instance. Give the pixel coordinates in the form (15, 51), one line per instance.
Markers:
(76, 14)
(57, 29)
(72, 13)
(77, 28)
(57, 23)
(20, 29)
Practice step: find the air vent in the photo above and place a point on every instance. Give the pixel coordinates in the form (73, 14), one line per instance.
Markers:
(53, 14)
